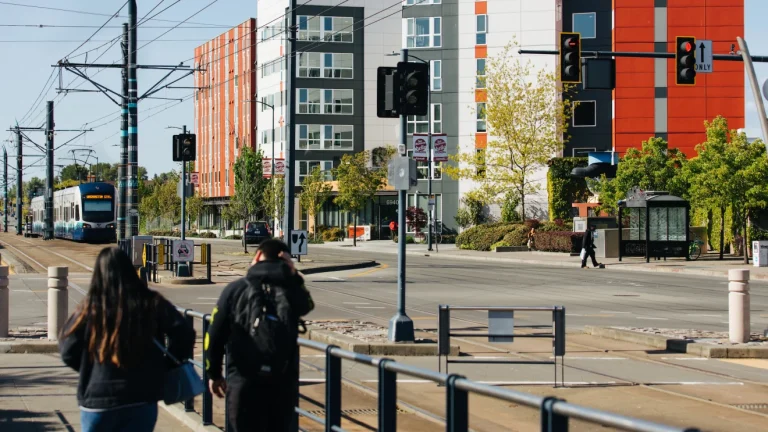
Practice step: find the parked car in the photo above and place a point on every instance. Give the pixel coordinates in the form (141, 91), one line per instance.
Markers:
(256, 232)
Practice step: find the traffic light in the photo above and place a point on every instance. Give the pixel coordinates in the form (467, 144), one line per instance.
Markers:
(387, 93)
(414, 87)
(685, 60)
(184, 147)
(570, 57)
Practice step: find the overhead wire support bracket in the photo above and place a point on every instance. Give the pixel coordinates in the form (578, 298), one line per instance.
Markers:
(101, 88)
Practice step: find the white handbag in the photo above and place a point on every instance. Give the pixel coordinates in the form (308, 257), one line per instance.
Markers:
(583, 253)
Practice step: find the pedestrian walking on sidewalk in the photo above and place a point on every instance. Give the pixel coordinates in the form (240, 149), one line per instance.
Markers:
(588, 248)
(110, 341)
(257, 320)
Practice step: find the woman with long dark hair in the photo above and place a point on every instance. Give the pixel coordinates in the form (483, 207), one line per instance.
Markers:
(109, 340)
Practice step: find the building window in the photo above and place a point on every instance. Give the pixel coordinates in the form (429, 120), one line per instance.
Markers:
(310, 101)
(337, 101)
(306, 168)
(585, 114)
(480, 74)
(235, 80)
(326, 137)
(584, 23)
(422, 168)
(226, 176)
(423, 32)
(436, 68)
(421, 2)
(275, 66)
(482, 29)
(330, 29)
(480, 162)
(481, 123)
(325, 65)
(418, 124)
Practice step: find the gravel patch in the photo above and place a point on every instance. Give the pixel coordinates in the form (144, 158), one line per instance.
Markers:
(699, 336)
(360, 330)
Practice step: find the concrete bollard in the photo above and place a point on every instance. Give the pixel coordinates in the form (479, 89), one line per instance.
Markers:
(738, 306)
(57, 300)
(5, 302)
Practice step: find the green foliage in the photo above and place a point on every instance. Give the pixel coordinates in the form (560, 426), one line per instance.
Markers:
(332, 234)
(717, 223)
(559, 241)
(471, 212)
(357, 183)
(500, 244)
(482, 237)
(408, 239)
(509, 212)
(315, 191)
(518, 236)
(273, 199)
(194, 207)
(416, 219)
(564, 190)
(249, 188)
(653, 167)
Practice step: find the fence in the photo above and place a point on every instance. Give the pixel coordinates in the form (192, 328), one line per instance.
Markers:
(501, 328)
(555, 413)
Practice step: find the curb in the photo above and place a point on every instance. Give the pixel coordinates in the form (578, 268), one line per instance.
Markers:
(191, 420)
(338, 267)
(172, 280)
(48, 347)
(377, 349)
(679, 345)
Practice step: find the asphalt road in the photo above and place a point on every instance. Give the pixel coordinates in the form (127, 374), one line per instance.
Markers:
(591, 297)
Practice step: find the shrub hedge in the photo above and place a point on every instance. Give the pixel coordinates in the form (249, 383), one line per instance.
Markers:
(482, 237)
(559, 241)
(518, 236)
(332, 234)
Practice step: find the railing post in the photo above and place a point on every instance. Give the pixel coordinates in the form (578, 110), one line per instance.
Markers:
(332, 389)
(387, 398)
(57, 300)
(457, 406)
(5, 302)
(189, 405)
(550, 421)
(208, 262)
(207, 397)
(443, 335)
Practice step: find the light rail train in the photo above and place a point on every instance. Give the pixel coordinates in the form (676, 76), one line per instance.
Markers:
(81, 213)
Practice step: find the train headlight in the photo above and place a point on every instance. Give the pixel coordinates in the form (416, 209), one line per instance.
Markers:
(85, 225)
(110, 226)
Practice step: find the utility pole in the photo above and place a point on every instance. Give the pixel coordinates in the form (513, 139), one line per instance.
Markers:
(430, 162)
(19, 171)
(5, 190)
(48, 233)
(400, 325)
(290, 162)
(133, 123)
(121, 198)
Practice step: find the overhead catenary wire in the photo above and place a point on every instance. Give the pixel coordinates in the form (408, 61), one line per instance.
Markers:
(97, 30)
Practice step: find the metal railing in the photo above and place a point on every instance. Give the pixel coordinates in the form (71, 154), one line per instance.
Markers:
(160, 254)
(501, 328)
(555, 413)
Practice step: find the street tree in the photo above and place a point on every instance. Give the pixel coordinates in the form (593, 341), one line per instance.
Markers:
(357, 184)
(315, 191)
(273, 201)
(526, 113)
(654, 167)
(194, 207)
(76, 172)
(249, 189)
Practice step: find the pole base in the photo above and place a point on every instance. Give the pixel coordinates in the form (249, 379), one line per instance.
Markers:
(183, 270)
(401, 328)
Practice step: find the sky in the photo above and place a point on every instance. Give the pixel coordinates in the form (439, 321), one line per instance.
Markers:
(29, 53)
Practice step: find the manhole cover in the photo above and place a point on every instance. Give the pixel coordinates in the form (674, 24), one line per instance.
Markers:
(758, 407)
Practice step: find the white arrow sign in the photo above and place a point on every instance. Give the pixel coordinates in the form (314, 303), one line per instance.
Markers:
(299, 239)
(703, 56)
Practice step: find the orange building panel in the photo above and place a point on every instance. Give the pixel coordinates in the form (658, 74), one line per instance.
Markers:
(633, 17)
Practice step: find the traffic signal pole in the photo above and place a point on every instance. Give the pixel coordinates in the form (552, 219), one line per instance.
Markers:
(750, 67)
(183, 267)
(400, 325)
(290, 160)
(48, 233)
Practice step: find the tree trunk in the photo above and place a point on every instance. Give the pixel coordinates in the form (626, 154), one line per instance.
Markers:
(522, 206)
(744, 240)
(354, 233)
(314, 221)
(722, 231)
(245, 242)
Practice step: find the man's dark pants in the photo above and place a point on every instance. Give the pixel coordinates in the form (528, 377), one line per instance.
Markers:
(262, 404)
(590, 253)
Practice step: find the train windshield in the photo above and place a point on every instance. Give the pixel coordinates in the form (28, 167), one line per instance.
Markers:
(98, 208)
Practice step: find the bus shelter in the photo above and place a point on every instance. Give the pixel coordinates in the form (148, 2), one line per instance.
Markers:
(653, 224)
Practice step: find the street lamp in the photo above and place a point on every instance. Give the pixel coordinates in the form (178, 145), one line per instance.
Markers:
(272, 174)
(430, 220)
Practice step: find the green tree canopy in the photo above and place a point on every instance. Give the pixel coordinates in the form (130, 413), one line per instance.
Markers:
(249, 188)
(315, 191)
(357, 183)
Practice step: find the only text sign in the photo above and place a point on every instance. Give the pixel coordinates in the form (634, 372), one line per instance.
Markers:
(703, 56)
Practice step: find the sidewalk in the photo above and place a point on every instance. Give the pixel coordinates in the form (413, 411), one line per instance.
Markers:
(707, 265)
(38, 393)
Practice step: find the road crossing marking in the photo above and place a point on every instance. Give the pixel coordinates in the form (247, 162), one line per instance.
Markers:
(356, 303)
(369, 307)
(684, 358)
(653, 318)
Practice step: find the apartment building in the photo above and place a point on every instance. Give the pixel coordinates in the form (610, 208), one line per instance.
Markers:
(225, 116)
(340, 44)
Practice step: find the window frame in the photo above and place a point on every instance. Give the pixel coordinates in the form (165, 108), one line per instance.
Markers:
(346, 34)
(422, 167)
(573, 118)
(480, 116)
(594, 24)
(436, 77)
(322, 164)
(413, 120)
(304, 131)
(483, 32)
(480, 82)
(432, 36)
(333, 105)
(410, 3)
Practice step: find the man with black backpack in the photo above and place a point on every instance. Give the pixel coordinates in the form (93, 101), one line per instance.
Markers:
(257, 320)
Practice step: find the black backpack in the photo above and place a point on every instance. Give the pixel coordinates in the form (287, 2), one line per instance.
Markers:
(265, 314)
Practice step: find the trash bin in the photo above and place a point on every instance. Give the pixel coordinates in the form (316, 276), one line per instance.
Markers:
(760, 253)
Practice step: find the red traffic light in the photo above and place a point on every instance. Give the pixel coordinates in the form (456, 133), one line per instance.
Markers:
(571, 43)
(686, 46)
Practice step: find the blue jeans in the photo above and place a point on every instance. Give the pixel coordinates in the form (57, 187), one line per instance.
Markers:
(141, 418)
